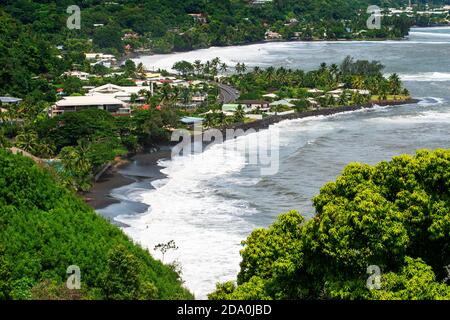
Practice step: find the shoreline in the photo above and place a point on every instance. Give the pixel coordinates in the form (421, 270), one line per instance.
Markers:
(137, 55)
(129, 172)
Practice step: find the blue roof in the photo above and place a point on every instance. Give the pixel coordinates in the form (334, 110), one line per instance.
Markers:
(190, 120)
(9, 100)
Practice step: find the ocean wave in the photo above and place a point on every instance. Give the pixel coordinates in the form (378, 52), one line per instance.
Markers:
(419, 118)
(431, 101)
(430, 34)
(426, 76)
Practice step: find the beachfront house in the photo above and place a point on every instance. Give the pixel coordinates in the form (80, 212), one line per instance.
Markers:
(103, 102)
(255, 105)
(285, 103)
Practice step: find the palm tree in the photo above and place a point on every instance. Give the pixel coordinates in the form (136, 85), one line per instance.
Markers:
(334, 70)
(243, 67)
(223, 67)
(383, 91)
(140, 69)
(165, 92)
(395, 85)
(357, 82)
(27, 141)
(77, 167)
(343, 98)
(238, 68)
(198, 66)
(186, 96)
(239, 114)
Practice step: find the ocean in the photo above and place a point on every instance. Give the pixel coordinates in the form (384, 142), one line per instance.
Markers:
(208, 203)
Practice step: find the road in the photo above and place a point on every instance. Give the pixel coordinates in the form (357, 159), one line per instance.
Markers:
(228, 94)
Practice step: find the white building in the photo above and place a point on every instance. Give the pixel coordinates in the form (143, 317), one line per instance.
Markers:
(124, 94)
(102, 102)
(84, 76)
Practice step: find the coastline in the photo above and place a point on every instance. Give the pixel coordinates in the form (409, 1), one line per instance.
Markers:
(124, 174)
(130, 172)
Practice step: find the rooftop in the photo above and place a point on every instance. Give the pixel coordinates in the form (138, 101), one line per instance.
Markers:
(88, 101)
(10, 100)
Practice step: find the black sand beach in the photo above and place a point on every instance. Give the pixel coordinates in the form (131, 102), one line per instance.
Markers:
(143, 168)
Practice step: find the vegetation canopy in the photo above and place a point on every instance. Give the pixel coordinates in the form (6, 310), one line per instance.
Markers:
(44, 229)
(395, 215)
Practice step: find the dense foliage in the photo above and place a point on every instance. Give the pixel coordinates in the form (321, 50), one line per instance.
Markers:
(44, 229)
(227, 22)
(395, 215)
(294, 83)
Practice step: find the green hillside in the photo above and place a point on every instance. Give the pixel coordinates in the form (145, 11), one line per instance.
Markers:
(44, 229)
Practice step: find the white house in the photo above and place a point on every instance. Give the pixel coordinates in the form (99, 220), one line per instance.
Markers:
(285, 103)
(103, 102)
(122, 93)
(84, 76)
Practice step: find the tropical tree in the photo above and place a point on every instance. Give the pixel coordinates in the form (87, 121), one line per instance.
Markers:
(395, 84)
(28, 141)
(223, 67)
(239, 114)
(77, 167)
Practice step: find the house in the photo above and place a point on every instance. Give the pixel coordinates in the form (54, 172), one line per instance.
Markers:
(99, 56)
(102, 102)
(9, 100)
(84, 76)
(191, 121)
(270, 96)
(106, 60)
(255, 104)
(199, 97)
(285, 103)
(124, 94)
(260, 2)
(199, 17)
(130, 35)
(360, 91)
(273, 35)
(314, 91)
(230, 108)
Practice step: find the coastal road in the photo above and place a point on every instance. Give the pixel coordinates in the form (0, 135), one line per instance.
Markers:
(228, 94)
